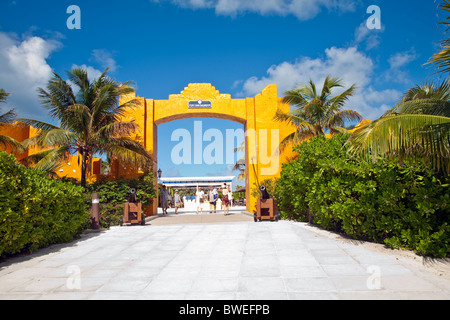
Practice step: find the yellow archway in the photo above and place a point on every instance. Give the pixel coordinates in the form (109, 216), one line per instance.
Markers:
(263, 135)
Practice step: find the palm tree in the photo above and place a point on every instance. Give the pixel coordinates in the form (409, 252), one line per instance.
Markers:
(8, 118)
(240, 164)
(316, 113)
(418, 127)
(442, 59)
(90, 122)
(428, 90)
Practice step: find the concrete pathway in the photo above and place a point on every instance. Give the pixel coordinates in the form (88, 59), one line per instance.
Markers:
(193, 218)
(236, 260)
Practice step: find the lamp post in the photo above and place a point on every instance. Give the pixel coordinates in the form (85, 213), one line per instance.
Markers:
(95, 211)
(159, 172)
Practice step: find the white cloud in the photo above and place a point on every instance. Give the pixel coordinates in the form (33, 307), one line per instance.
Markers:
(91, 71)
(350, 64)
(401, 59)
(371, 38)
(302, 9)
(397, 62)
(24, 68)
(105, 59)
(353, 66)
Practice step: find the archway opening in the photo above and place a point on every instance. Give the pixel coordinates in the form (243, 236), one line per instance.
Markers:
(210, 151)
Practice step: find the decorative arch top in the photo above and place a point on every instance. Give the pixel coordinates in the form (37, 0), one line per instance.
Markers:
(195, 91)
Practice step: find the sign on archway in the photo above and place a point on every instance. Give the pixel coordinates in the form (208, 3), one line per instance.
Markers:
(201, 100)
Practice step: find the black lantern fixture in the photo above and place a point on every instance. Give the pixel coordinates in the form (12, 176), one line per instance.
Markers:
(159, 173)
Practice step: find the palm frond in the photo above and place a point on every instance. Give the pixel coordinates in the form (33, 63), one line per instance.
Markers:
(330, 83)
(79, 77)
(41, 125)
(337, 102)
(58, 137)
(117, 130)
(340, 118)
(423, 106)
(295, 98)
(126, 151)
(441, 60)
(428, 90)
(238, 164)
(241, 147)
(426, 136)
(12, 143)
(3, 95)
(49, 160)
(8, 117)
(337, 130)
(58, 96)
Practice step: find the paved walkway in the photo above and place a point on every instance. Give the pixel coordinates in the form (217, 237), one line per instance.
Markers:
(236, 260)
(193, 218)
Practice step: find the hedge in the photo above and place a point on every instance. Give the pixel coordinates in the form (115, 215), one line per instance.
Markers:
(113, 195)
(35, 210)
(400, 206)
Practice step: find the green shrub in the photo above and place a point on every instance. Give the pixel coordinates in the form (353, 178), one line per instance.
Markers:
(113, 195)
(403, 207)
(35, 210)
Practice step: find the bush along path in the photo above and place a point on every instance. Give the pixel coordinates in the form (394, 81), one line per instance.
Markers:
(400, 206)
(35, 210)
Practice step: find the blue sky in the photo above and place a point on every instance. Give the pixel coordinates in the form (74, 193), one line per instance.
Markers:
(239, 46)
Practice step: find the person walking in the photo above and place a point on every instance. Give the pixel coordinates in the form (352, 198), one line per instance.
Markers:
(177, 201)
(164, 199)
(212, 198)
(226, 199)
(199, 199)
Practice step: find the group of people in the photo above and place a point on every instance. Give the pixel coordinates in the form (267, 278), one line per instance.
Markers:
(201, 197)
(212, 196)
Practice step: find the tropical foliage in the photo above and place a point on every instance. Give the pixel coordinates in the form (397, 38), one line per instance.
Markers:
(8, 118)
(442, 59)
(35, 210)
(113, 195)
(316, 112)
(419, 127)
(89, 122)
(401, 206)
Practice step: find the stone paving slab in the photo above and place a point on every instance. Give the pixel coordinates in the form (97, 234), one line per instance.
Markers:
(193, 218)
(224, 261)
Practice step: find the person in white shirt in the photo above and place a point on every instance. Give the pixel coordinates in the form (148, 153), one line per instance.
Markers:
(176, 201)
(226, 199)
(199, 199)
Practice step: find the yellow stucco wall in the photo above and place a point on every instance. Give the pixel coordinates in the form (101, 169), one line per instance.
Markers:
(70, 168)
(256, 114)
